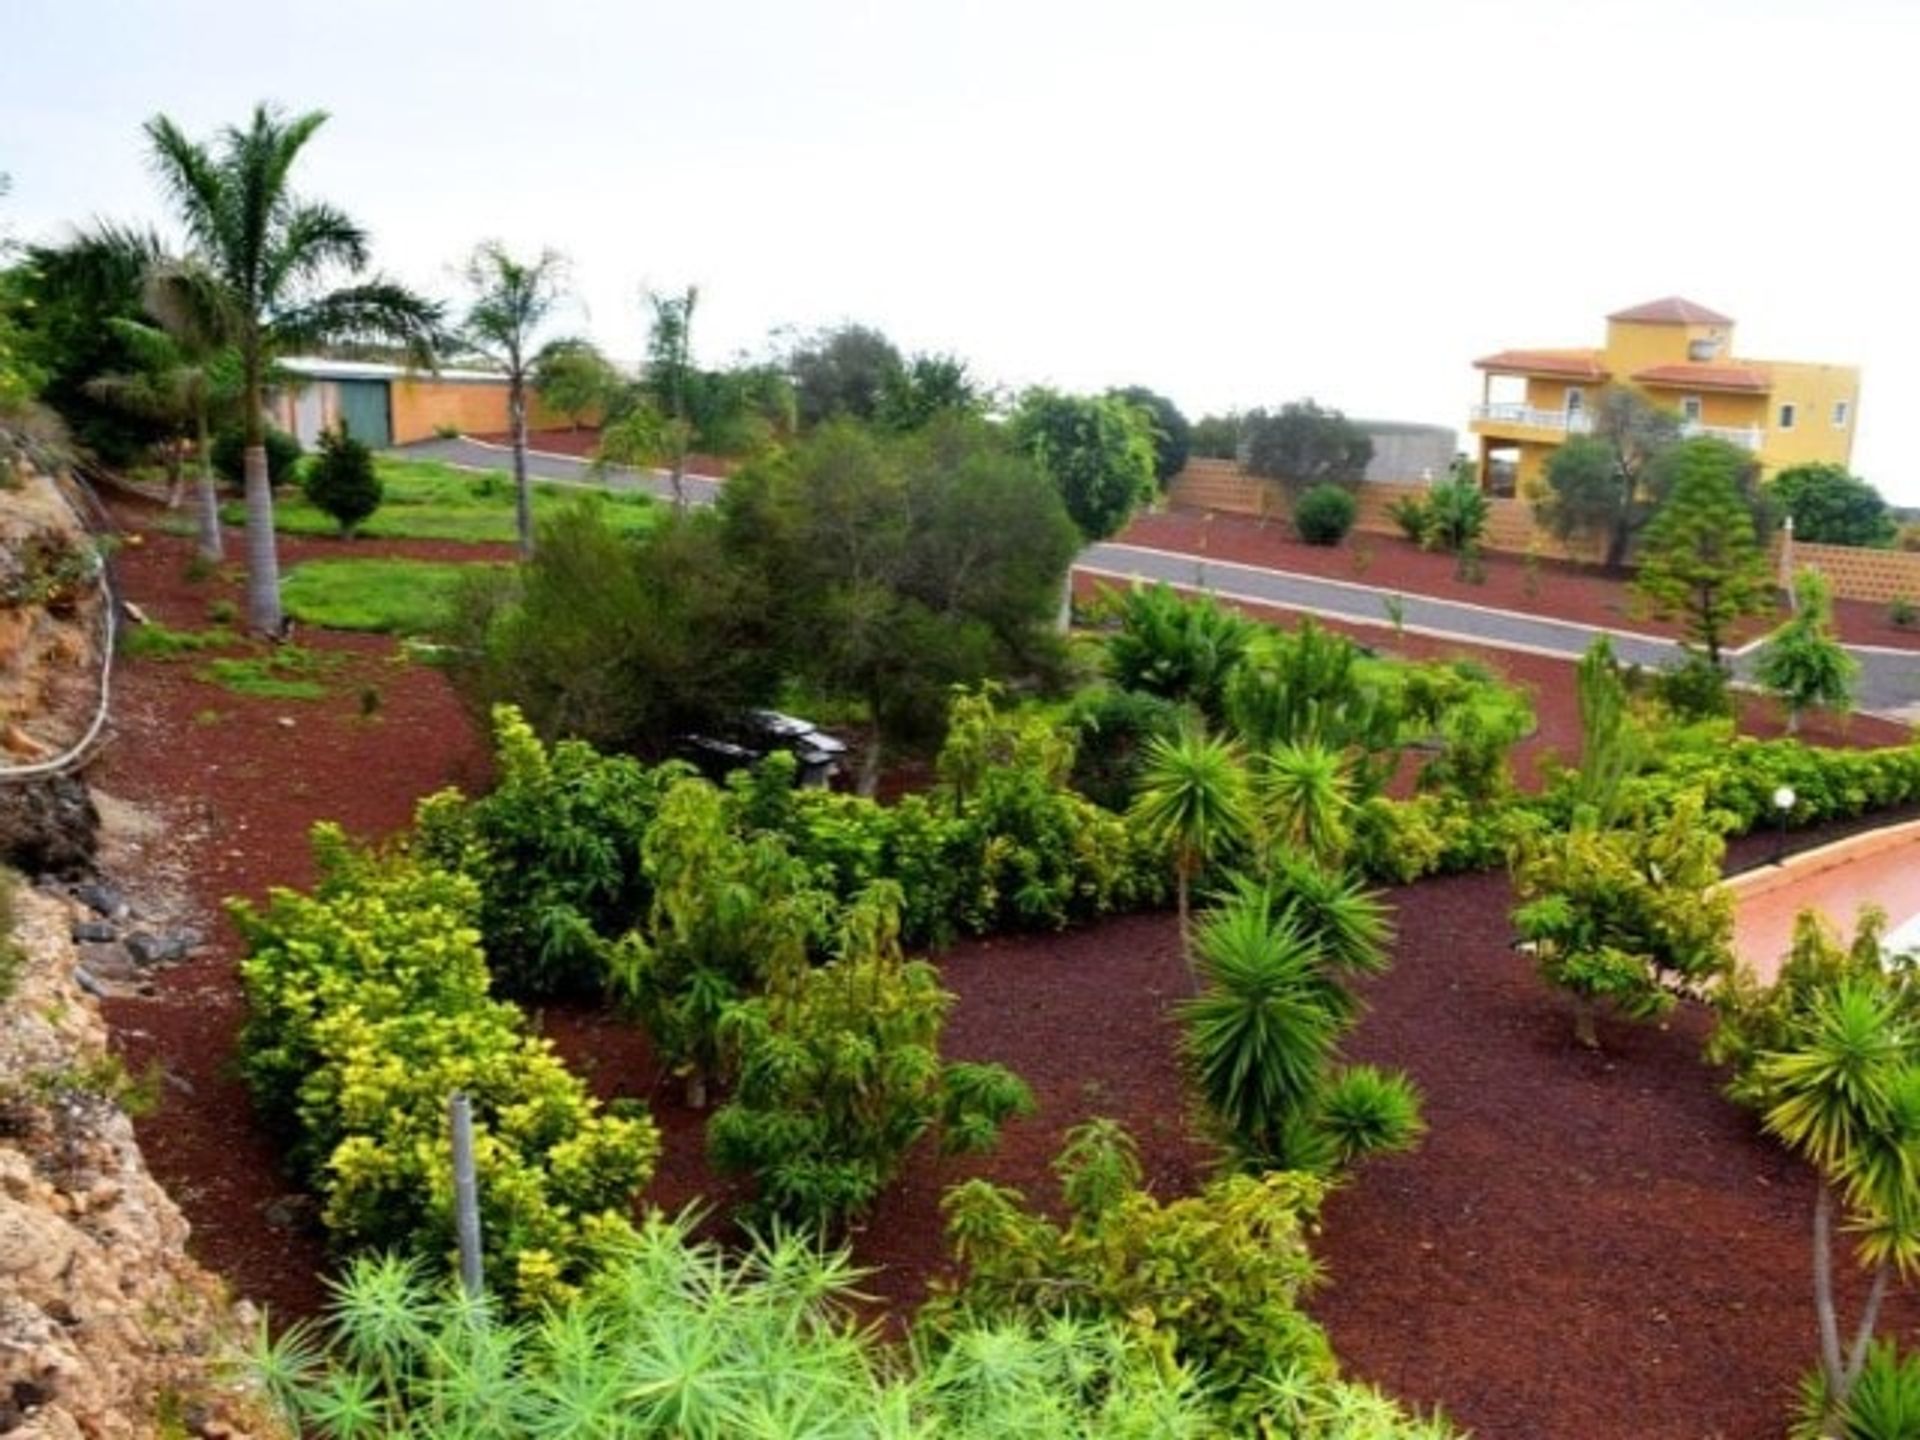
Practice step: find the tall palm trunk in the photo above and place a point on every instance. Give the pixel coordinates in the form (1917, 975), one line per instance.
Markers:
(212, 544)
(263, 556)
(522, 493)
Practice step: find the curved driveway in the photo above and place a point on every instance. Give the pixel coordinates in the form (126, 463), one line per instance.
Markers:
(1889, 679)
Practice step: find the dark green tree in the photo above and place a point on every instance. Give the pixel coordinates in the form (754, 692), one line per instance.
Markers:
(1095, 449)
(341, 482)
(1172, 434)
(1217, 437)
(1305, 445)
(1832, 506)
(926, 386)
(842, 372)
(1605, 486)
(906, 566)
(1700, 558)
(269, 254)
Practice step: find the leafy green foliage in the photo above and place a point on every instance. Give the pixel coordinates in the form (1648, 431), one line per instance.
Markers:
(1217, 437)
(842, 374)
(625, 642)
(1305, 800)
(1803, 662)
(1610, 744)
(1213, 1282)
(12, 956)
(1178, 647)
(341, 480)
(1324, 514)
(840, 1075)
(1112, 729)
(1883, 1402)
(555, 851)
(728, 914)
(1624, 917)
(1700, 558)
(680, 1337)
(284, 453)
(1172, 434)
(368, 1008)
(572, 376)
(905, 566)
(1831, 506)
(925, 387)
(1605, 486)
(1305, 445)
(1097, 450)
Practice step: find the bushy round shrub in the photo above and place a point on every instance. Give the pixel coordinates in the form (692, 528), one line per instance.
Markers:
(230, 451)
(1325, 514)
(342, 482)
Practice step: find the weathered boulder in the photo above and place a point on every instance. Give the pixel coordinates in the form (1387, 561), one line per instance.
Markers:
(48, 826)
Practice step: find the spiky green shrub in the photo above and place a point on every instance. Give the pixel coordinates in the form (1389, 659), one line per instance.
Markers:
(1213, 1282)
(1456, 516)
(841, 1076)
(679, 1338)
(1178, 647)
(341, 481)
(367, 1009)
(1193, 801)
(554, 848)
(1262, 1036)
(1305, 801)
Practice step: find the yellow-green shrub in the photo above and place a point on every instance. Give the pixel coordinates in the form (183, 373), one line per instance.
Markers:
(369, 1007)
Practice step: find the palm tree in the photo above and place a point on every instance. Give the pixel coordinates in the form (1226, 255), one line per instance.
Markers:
(267, 256)
(1193, 799)
(512, 299)
(1847, 1097)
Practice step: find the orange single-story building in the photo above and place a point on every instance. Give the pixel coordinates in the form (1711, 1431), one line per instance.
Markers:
(387, 405)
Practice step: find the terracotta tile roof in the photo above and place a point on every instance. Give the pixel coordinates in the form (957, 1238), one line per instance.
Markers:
(1706, 377)
(1672, 311)
(1574, 364)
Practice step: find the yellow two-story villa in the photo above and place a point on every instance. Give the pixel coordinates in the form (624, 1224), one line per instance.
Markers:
(1680, 356)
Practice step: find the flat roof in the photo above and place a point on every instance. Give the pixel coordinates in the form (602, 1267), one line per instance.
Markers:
(313, 367)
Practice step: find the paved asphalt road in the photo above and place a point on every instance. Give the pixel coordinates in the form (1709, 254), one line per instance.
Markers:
(1889, 680)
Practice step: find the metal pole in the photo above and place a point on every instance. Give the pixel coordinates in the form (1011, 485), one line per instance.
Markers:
(466, 1194)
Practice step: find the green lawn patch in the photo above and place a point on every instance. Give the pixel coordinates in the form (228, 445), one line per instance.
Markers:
(389, 596)
(427, 500)
(154, 641)
(286, 673)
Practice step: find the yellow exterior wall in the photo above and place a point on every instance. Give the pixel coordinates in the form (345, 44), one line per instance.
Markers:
(1717, 407)
(1812, 390)
(1545, 393)
(1636, 345)
(421, 407)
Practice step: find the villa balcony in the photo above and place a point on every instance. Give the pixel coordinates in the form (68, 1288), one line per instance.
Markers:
(1747, 437)
(1523, 422)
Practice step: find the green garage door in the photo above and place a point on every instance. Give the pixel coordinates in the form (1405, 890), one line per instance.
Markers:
(363, 409)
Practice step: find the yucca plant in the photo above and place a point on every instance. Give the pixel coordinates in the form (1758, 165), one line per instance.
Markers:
(678, 1338)
(1193, 800)
(1847, 1097)
(1305, 801)
(1178, 647)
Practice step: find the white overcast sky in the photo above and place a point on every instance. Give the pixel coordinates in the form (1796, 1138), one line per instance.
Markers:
(1238, 204)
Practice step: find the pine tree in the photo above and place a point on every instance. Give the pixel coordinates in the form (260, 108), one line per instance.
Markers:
(1701, 559)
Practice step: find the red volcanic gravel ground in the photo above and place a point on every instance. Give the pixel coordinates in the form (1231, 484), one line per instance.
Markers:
(1585, 1246)
(1564, 591)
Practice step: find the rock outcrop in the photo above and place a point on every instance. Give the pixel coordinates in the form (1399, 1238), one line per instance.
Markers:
(107, 1328)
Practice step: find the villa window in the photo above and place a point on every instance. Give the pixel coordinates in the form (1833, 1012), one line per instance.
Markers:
(1701, 351)
(1787, 415)
(1840, 409)
(1690, 409)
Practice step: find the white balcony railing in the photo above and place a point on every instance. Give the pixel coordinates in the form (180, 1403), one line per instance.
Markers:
(1747, 437)
(1574, 422)
(1579, 422)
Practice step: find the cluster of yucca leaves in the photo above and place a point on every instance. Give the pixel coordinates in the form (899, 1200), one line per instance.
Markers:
(679, 1339)
(369, 1006)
